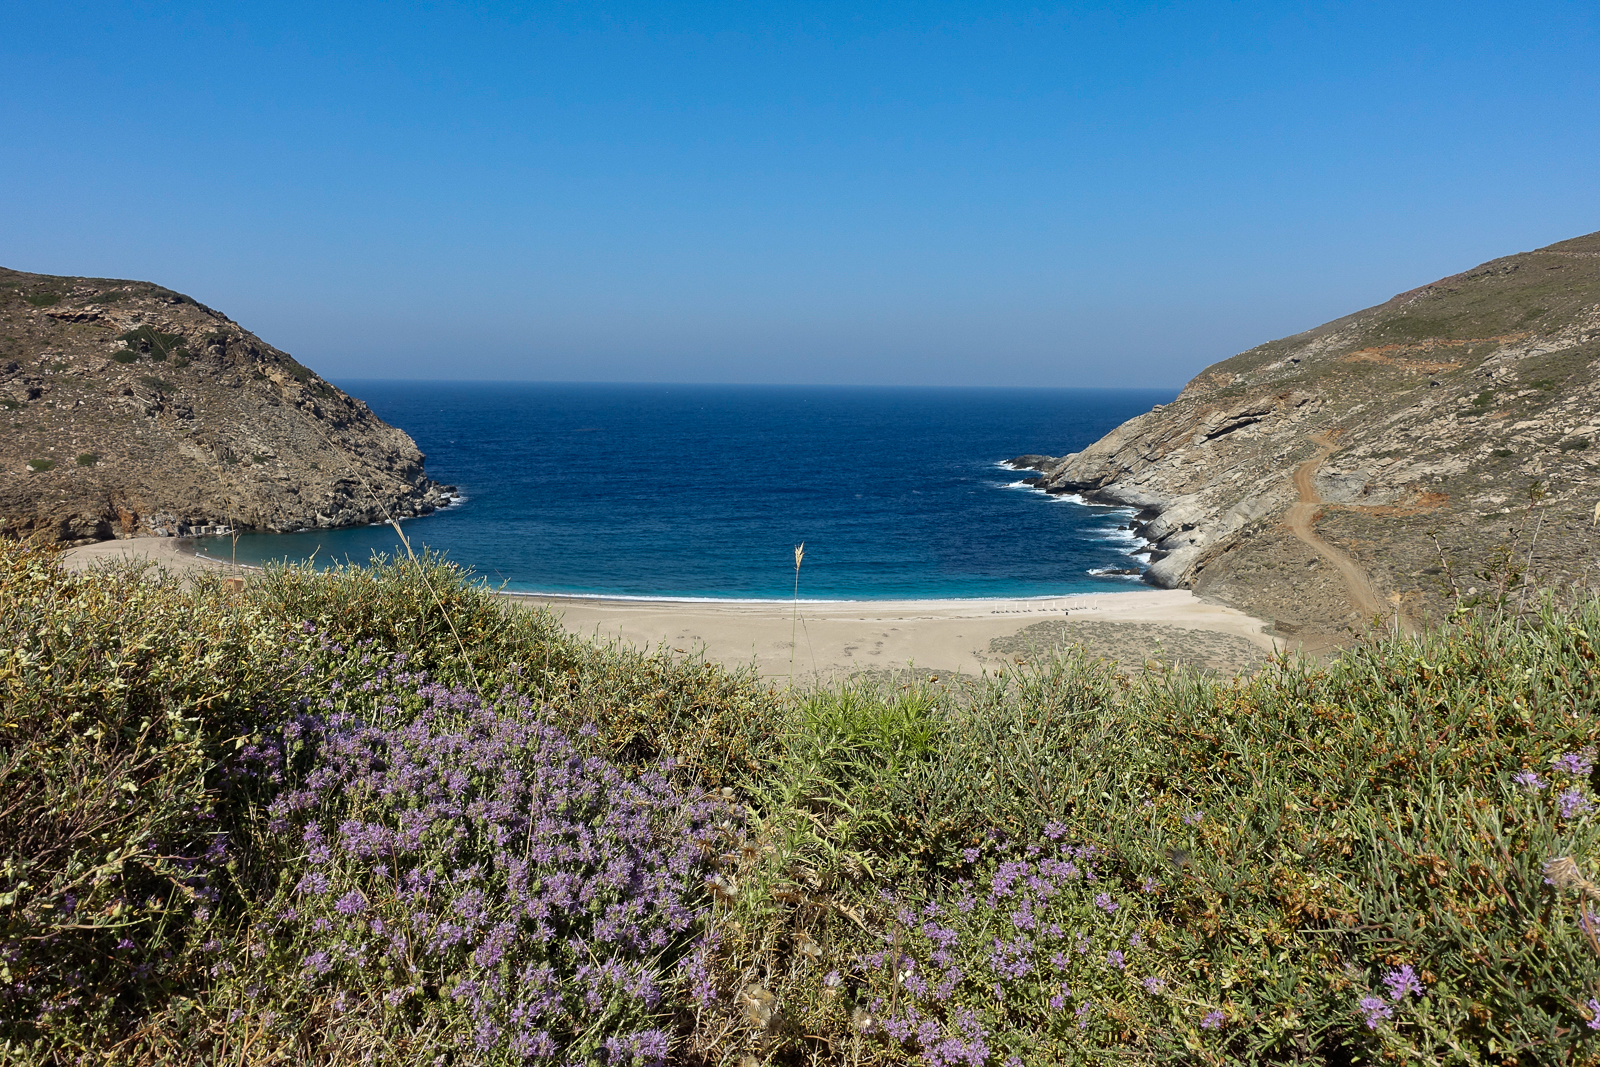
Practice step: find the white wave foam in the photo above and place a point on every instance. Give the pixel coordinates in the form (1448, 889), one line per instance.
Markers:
(1108, 572)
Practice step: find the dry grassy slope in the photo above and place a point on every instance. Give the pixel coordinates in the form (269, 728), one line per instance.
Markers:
(1447, 404)
(131, 410)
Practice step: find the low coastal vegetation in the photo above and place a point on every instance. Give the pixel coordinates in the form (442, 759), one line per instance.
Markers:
(374, 816)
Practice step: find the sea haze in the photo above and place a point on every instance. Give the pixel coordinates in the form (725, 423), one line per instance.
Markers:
(703, 490)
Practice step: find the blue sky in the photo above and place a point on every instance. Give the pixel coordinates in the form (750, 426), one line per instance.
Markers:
(938, 193)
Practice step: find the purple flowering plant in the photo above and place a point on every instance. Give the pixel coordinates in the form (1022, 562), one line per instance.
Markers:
(446, 853)
(1042, 949)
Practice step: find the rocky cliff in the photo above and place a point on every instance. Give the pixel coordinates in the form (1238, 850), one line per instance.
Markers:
(131, 410)
(1383, 462)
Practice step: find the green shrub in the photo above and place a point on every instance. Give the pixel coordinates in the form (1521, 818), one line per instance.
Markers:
(540, 898)
(147, 340)
(43, 299)
(125, 357)
(1304, 836)
(41, 464)
(120, 697)
(647, 707)
(127, 700)
(88, 459)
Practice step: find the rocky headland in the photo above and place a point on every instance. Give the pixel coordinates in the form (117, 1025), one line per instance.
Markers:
(1383, 464)
(131, 410)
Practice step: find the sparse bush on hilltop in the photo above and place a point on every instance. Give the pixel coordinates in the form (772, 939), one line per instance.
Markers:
(375, 815)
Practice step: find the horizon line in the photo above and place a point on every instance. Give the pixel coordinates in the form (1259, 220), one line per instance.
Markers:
(757, 385)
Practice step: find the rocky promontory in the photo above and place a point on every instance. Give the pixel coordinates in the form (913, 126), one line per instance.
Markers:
(1436, 446)
(131, 410)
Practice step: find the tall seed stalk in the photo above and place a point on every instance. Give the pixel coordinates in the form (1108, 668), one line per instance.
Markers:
(799, 554)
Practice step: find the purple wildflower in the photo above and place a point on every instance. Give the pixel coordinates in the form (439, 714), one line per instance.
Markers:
(1376, 1009)
(1530, 781)
(1578, 763)
(1403, 981)
(1194, 818)
(648, 1047)
(1154, 985)
(1594, 1014)
(351, 903)
(1573, 803)
(1212, 1021)
(1104, 902)
(1115, 959)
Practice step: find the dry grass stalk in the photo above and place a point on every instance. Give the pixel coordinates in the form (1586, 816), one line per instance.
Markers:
(799, 555)
(1564, 873)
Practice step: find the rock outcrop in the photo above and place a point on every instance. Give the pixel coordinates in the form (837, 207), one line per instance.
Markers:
(1456, 420)
(131, 410)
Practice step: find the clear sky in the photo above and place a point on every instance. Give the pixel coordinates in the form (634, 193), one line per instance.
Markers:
(818, 192)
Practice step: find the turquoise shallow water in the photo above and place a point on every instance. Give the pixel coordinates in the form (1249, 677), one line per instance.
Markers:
(703, 491)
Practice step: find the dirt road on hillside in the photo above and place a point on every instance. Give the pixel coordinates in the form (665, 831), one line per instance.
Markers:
(1301, 520)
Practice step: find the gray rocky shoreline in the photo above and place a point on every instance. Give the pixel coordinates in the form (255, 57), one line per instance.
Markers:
(1378, 464)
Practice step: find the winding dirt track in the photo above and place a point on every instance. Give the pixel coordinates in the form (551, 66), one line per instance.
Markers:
(1301, 518)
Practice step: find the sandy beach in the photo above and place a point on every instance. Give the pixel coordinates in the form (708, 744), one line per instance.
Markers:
(174, 554)
(837, 639)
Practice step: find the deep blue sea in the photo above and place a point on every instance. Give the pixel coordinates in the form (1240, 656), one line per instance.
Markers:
(703, 491)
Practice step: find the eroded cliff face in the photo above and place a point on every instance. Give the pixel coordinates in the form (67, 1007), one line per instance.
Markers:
(130, 410)
(1439, 413)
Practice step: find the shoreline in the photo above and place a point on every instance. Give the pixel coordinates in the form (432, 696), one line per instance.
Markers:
(834, 639)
